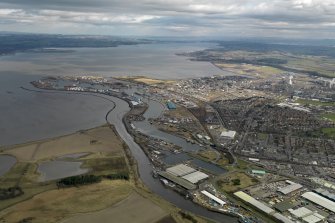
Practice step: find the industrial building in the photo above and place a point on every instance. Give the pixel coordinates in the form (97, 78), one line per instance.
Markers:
(214, 198)
(228, 134)
(184, 176)
(177, 180)
(319, 200)
(290, 188)
(180, 170)
(259, 205)
(307, 215)
(325, 193)
(262, 207)
(195, 177)
(285, 205)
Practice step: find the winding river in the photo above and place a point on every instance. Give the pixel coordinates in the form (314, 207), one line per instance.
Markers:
(120, 108)
(145, 168)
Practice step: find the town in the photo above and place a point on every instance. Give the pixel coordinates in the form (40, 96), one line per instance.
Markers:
(231, 144)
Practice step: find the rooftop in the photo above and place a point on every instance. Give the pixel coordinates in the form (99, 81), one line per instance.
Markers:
(180, 181)
(290, 188)
(195, 177)
(214, 198)
(180, 170)
(319, 200)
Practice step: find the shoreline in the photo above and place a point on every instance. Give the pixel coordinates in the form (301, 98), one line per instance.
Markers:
(51, 91)
(133, 163)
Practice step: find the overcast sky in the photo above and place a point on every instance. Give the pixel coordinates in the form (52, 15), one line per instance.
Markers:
(241, 18)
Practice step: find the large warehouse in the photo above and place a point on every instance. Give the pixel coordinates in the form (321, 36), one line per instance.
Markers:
(195, 177)
(291, 187)
(307, 215)
(184, 176)
(319, 200)
(180, 170)
(214, 198)
(262, 207)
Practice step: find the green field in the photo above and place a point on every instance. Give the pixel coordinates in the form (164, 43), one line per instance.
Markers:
(330, 116)
(316, 103)
(235, 181)
(329, 132)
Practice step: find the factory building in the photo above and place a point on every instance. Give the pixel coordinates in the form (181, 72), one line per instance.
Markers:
(177, 180)
(262, 207)
(319, 200)
(195, 177)
(214, 198)
(180, 170)
(307, 215)
(290, 188)
(228, 134)
(183, 175)
(325, 193)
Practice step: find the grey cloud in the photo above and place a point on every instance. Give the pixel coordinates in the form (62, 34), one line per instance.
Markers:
(157, 17)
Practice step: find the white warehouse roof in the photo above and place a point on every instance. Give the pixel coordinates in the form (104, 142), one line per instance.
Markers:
(300, 212)
(317, 199)
(314, 218)
(247, 198)
(195, 177)
(180, 170)
(211, 196)
(228, 134)
(290, 188)
(282, 218)
(307, 215)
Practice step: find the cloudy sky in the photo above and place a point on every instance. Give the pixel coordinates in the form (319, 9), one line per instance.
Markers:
(242, 18)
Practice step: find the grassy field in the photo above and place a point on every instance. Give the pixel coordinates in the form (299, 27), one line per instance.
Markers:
(106, 156)
(323, 65)
(251, 70)
(44, 202)
(241, 165)
(179, 112)
(318, 64)
(54, 205)
(103, 137)
(135, 208)
(213, 156)
(329, 116)
(106, 165)
(329, 132)
(235, 181)
(179, 129)
(146, 80)
(313, 102)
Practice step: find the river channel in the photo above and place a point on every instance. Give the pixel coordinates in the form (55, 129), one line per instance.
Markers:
(144, 165)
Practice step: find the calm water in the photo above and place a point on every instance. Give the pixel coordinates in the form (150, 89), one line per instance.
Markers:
(6, 162)
(155, 60)
(27, 116)
(154, 111)
(57, 169)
